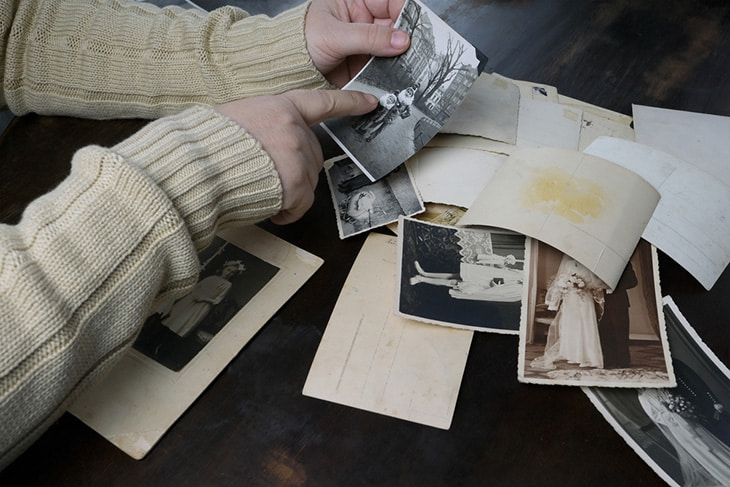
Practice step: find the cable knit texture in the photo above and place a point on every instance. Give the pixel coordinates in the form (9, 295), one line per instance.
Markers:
(121, 232)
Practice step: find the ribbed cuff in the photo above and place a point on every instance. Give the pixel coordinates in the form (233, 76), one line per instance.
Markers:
(277, 62)
(214, 172)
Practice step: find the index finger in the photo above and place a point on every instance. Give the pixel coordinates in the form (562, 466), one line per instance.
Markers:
(319, 105)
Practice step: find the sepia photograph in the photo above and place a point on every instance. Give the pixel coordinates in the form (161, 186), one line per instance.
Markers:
(575, 330)
(418, 92)
(361, 205)
(229, 278)
(468, 278)
(683, 433)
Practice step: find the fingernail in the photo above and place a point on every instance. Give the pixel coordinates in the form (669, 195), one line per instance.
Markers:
(398, 39)
(372, 99)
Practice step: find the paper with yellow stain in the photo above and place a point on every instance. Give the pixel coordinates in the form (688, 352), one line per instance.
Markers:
(587, 207)
(371, 359)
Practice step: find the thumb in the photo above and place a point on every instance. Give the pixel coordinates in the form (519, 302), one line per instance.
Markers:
(372, 39)
(319, 105)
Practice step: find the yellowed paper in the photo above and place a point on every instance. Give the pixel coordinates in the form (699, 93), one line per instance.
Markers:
(452, 176)
(691, 223)
(544, 124)
(489, 110)
(587, 207)
(373, 360)
(700, 139)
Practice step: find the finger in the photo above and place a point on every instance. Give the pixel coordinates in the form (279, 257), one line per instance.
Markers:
(382, 9)
(320, 105)
(372, 39)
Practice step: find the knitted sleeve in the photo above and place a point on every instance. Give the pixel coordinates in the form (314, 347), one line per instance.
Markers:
(120, 58)
(87, 261)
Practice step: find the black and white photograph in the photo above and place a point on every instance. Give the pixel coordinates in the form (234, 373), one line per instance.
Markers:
(229, 278)
(468, 278)
(361, 205)
(575, 330)
(683, 433)
(418, 92)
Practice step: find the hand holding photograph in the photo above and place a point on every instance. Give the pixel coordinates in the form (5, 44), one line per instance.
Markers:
(418, 92)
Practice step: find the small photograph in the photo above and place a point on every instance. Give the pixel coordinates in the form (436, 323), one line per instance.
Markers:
(576, 331)
(361, 205)
(229, 278)
(468, 278)
(683, 433)
(418, 92)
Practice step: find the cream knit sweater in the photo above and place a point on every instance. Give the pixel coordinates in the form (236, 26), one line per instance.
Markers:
(88, 260)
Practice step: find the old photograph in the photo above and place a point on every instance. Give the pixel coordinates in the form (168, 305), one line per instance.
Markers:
(575, 330)
(462, 277)
(361, 205)
(229, 278)
(683, 433)
(247, 275)
(418, 92)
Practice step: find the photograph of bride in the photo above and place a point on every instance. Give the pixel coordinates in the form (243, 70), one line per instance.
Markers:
(683, 433)
(575, 330)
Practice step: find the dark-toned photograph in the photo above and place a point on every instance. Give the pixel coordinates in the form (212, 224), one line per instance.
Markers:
(578, 331)
(418, 92)
(361, 205)
(462, 277)
(683, 433)
(229, 278)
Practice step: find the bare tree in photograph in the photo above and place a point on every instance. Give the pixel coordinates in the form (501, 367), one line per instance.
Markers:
(446, 69)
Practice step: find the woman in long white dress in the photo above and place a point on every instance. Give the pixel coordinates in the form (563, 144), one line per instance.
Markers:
(573, 333)
(703, 458)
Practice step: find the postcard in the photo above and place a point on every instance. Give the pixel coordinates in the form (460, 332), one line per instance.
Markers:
(247, 275)
(470, 142)
(700, 139)
(594, 125)
(490, 110)
(361, 205)
(604, 113)
(534, 91)
(575, 331)
(373, 360)
(691, 223)
(544, 124)
(452, 176)
(682, 433)
(587, 207)
(418, 91)
(460, 277)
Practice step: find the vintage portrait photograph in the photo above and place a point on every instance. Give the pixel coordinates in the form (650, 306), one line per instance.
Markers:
(683, 433)
(229, 278)
(418, 92)
(361, 204)
(468, 278)
(575, 330)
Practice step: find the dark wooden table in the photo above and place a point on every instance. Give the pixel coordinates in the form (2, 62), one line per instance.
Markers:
(253, 426)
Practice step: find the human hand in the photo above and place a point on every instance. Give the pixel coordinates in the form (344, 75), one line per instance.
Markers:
(281, 124)
(343, 34)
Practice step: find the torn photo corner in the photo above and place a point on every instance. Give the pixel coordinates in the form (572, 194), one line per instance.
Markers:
(418, 91)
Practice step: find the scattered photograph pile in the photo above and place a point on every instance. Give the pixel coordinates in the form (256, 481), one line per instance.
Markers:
(502, 206)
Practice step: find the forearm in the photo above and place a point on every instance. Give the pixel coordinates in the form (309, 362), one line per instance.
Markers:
(80, 271)
(116, 58)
